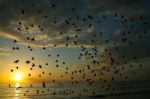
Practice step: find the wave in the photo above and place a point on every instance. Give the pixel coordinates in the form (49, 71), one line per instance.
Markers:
(145, 92)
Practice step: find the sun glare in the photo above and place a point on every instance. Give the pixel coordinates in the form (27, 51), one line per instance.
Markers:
(18, 77)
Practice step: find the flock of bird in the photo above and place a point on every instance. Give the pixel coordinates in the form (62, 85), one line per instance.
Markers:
(93, 72)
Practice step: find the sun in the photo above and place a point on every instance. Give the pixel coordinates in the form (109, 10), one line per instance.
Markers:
(18, 77)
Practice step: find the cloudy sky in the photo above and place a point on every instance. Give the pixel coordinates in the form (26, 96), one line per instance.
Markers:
(92, 24)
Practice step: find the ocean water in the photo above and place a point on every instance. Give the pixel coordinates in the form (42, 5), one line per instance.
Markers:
(133, 90)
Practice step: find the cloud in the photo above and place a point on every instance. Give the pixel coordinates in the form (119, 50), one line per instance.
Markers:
(4, 51)
(60, 14)
(113, 32)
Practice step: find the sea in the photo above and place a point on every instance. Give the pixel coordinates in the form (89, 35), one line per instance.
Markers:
(132, 90)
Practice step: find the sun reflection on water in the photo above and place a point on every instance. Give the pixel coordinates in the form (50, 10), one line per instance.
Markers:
(17, 89)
